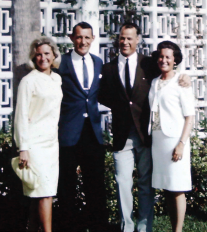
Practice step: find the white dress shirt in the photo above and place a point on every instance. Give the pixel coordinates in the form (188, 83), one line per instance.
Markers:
(133, 139)
(78, 66)
(132, 60)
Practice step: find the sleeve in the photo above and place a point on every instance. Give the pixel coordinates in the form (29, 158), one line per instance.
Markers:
(21, 120)
(187, 101)
(57, 77)
(105, 95)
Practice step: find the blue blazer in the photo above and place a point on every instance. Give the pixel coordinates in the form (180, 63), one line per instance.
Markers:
(76, 102)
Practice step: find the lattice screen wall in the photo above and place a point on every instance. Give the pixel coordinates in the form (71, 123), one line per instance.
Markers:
(186, 25)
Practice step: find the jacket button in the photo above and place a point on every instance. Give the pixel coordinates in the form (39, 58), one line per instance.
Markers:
(130, 103)
(85, 115)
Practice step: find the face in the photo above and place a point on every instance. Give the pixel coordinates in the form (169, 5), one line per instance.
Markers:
(128, 40)
(44, 58)
(166, 60)
(82, 40)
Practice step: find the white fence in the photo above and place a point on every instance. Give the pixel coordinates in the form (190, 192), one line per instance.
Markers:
(185, 24)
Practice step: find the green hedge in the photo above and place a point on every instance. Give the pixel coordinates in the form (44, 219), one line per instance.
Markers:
(196, 199)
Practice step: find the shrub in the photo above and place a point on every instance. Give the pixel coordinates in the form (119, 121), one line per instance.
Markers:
(196, 199)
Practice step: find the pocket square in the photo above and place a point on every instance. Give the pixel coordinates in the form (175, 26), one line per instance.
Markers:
(100, 76)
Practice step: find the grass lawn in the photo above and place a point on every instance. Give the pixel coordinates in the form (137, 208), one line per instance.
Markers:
(191, 224)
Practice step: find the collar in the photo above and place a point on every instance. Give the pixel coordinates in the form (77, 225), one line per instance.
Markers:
(76, 56)
(132, 58)
(155, 102)
(52, 76)
(173, 79)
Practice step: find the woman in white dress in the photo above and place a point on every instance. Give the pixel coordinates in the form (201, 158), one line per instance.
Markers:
(172, 110)
(36, 126)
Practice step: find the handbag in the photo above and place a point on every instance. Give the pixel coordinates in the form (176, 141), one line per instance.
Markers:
(27, 175)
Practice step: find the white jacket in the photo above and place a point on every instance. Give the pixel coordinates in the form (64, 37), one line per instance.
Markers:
(175, 102)
(37, 110)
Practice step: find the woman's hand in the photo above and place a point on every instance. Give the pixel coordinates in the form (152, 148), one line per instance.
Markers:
(178, 152)
(23, 159)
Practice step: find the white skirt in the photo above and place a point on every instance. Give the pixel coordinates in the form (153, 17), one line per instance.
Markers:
(44, 159)
(169, 175)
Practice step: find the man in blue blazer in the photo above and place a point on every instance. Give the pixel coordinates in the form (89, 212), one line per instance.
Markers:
(80, 135)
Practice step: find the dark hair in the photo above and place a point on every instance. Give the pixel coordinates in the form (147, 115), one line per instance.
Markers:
(176, 50)
(131, 25)
(83, 25)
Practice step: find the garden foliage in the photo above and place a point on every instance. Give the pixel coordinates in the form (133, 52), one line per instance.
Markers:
(196, 199)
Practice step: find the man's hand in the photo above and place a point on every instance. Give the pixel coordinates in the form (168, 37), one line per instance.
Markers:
(184, 80)
(23, 159)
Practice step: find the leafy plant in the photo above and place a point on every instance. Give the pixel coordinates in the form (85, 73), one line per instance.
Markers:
(197, 199)
(5, 155)
(171, 4)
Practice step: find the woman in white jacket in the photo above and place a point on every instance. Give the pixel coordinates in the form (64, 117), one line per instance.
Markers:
(36, 127)
(172, 110)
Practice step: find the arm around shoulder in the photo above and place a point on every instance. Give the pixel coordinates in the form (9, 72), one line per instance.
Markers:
(184, 80)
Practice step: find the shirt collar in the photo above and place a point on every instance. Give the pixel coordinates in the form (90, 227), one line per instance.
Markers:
(132, 58)
(76, 56)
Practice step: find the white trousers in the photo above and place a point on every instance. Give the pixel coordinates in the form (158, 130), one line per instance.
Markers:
(124, 160)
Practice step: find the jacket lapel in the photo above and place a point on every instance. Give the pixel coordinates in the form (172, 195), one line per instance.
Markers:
(115, 75)
(139, 74)
(96, 75)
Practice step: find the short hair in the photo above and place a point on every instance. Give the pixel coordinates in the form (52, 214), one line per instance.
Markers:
(176, 50)
(83, 25)
(41, 41)
(131, 25)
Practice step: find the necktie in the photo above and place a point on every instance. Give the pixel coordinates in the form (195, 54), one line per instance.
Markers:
(127, 79)
(85, 75)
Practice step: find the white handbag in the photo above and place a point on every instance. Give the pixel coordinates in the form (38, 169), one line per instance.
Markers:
(27, 175)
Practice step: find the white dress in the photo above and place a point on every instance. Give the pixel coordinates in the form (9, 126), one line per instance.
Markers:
(36, 128)
(169, 175)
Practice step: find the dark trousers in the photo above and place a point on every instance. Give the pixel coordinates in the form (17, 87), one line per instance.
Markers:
(89, 154)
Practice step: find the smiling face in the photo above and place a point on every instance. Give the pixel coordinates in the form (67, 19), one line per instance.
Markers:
(44, 58)
(128, 40)
(82, 40)
(166, 60)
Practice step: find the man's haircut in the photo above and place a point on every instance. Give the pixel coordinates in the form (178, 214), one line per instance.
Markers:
(83, 25)
(131, 25)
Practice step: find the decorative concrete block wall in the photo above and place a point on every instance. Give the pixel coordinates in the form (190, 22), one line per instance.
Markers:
(183, 22)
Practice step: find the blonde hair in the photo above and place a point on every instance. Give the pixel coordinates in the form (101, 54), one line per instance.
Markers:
(41, 41)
